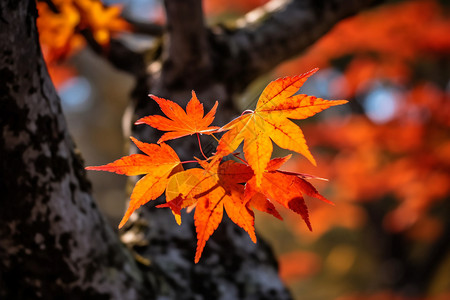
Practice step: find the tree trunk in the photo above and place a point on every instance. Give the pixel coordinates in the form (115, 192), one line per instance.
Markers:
(54, 242)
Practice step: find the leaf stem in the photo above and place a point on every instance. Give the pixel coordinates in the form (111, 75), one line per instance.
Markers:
(188, 161)
(215, 137)
(200, 145)
(302, 175)
(237, 156)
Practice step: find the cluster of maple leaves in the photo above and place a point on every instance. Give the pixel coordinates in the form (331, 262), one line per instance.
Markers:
(60, 23)
(238, 186)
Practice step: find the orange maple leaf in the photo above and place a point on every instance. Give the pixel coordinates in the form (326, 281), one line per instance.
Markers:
(212, 189)
(158, 163)
(270, 122)
(180, 123)
(101, 20)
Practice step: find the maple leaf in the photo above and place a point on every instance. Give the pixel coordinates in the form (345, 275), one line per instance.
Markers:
(270, 122)
(158, 163)
(286, 188)
(212, 189)
(101, 20)
(180, 123)
(260, 202)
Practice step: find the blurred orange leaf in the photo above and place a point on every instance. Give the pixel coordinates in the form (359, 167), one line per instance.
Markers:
(59, 31)
(298, 265)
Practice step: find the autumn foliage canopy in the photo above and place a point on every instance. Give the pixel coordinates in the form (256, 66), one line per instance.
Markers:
(254, 181)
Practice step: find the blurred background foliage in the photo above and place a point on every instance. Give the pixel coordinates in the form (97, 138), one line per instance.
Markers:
(386, 154)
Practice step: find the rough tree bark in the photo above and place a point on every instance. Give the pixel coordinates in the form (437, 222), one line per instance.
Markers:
(54, 241)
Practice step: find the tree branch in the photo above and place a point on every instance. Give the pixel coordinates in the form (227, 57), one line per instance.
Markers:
(151, 29)
(186, 42)
(275, 33)
(118, 54)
